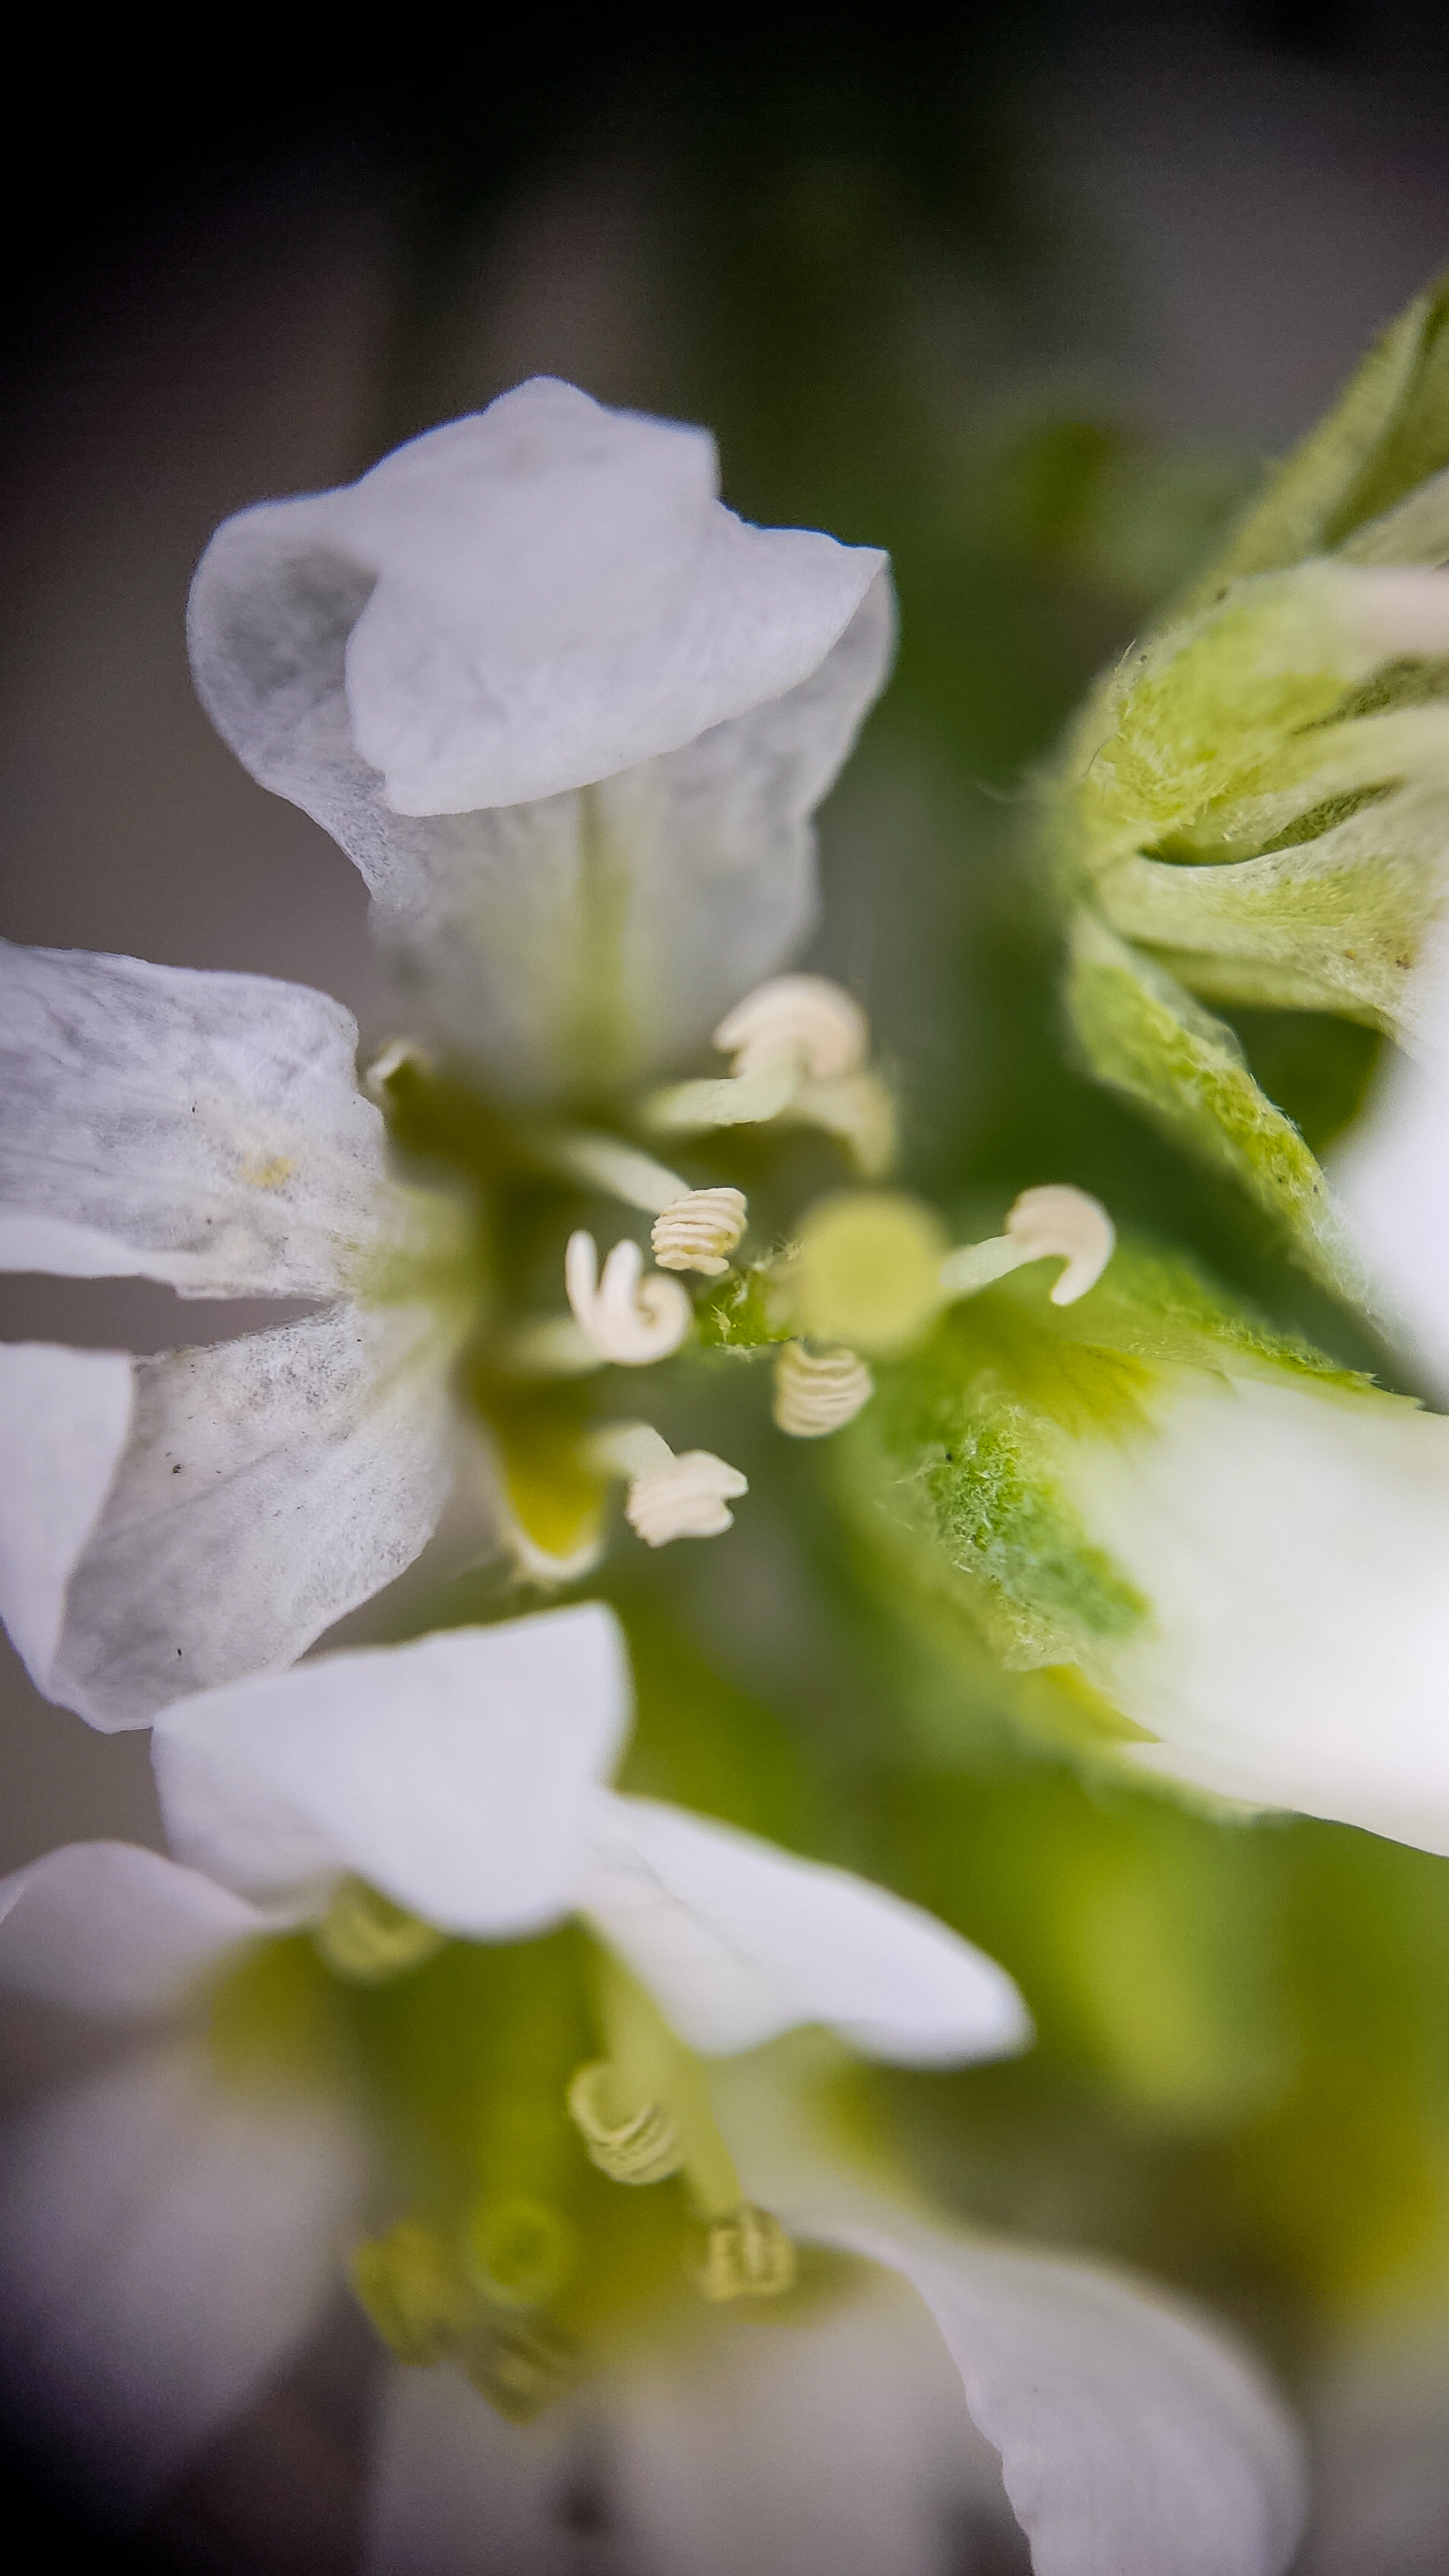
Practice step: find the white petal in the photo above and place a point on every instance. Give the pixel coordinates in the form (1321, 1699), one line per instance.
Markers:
(1391, 1176)
(456, 2490)
(1292, 1547)
(110, 1928)
(738, 1941)
(268, 1485)
(453, 1773)
(163, 2248)
(832, 2444)
(64, 1417)
(1134, 2436)
(202, 1129)
(705, 844)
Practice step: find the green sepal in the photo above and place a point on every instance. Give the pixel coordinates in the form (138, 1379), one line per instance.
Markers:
(1143, 1034)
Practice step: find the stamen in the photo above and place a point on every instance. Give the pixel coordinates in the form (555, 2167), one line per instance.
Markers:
(1055, 1222)
(1061, 1220)
(521, 2366)
(409, 2288)
(607, 1163)
(700, 1230)
(669, 1497)
(817, 1392)
(389, 1059)
(641, 2147)
(747, 2255)
(520, 2250)
(799, 1046)
(629, 1319)
(812, 1022)
(364, 1937)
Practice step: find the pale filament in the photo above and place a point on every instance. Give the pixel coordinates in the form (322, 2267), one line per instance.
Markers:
(817, 1392)
(629, 1319)
(1055, 1222)
(699, 1230)
(669, 1497)
(798, 1045)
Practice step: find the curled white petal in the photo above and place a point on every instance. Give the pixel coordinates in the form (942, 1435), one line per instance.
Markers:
(202, 1129)
(699, 1231)
(257, 1490)
(355, 666)
(454, 1773)
(65, 1417)
(629, 1319)
(818, 1391)
(805, 1018)
(738, 1941)
(112, 1929)
(1061, 1221)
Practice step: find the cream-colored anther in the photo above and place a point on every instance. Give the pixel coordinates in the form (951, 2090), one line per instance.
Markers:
(629, 1319)
(389, 1059)
(817, 1392)
(747, 2255)
(1056, 1222)
(368, 1940)
(804, 1018)
(700, 1231)
(1061, 1221)
(641, 2146)
(669, 1497)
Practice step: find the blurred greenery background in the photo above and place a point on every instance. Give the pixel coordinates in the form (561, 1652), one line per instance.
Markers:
(1027, 300)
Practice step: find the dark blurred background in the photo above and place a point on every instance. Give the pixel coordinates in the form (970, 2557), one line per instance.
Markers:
(1027, 296)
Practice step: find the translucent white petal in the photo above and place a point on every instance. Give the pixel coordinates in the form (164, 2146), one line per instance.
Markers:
(562, 923)
(163, 2248)
(202, 1129)
(64, 1417)
(268, 1485)
(834, 2443)
(456, 2490)
(111, 1928)
(738, 1941)
(1133, 2434)
(1292, 1547)
(453, 1773)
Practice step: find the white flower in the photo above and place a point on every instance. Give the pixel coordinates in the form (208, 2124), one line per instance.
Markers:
(168, 1523)
(167, 2238)
(568, 715)
(1289, 1549)
(1391, 1176)
(1130, 2434)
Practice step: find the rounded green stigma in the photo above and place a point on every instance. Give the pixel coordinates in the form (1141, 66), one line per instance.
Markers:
(867, 1271)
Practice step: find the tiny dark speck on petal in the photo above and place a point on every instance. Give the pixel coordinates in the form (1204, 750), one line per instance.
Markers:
(176, 1470)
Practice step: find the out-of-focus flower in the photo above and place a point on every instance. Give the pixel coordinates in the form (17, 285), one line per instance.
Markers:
(1252, 807)
(1129, 2434)
(172, 1522)
(1222, 1555)
(569, 716)
(170, 2229)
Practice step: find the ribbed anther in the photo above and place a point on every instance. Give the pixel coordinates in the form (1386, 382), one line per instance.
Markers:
(689, 1497)
(643, 2147)
(804, 1017)
(746, 2255)
(700, 1231)
(819, 1391)
(629, 1319)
